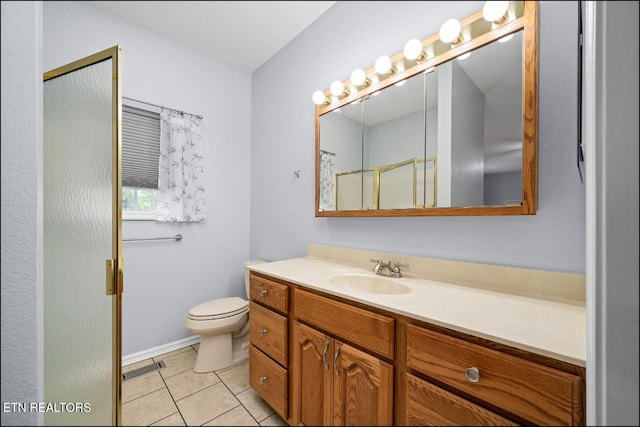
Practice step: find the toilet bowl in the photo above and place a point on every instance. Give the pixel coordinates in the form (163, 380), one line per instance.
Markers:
(223, 324)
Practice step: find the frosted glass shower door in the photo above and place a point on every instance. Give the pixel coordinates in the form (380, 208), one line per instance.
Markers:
(82, 241)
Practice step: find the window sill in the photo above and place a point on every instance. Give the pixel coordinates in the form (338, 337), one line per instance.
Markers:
(138, 216)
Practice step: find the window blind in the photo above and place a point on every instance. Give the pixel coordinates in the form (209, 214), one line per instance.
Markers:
(140, 147)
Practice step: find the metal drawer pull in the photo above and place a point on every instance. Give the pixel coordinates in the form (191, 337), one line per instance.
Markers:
(324, 355)
(263, 292)
(472, 374)
(262, 332)
(335, 364)
(262, 380)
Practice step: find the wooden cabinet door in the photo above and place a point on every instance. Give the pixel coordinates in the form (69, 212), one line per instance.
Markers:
(363, 388)
(312, 377)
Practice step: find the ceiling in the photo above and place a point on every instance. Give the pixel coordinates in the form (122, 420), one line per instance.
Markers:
(243, 34)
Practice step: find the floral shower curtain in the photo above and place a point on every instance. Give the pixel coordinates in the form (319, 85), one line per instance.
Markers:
(181, 195)
(327, 194)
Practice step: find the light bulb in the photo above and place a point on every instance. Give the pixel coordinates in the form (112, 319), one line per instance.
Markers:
(464, 56)
(358, 77)
(318, 97)
(413, 50)
(495, 11)
(505, 38)
(450, 31)
(337, 88)
(383, 64)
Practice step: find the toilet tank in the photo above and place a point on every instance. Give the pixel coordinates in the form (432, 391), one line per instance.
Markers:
(246, 274)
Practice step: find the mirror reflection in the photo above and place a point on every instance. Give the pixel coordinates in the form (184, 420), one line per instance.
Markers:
(487, 125)
(341, 159)
(447, 137)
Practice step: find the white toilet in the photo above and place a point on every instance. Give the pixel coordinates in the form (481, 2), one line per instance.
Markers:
(224, 326)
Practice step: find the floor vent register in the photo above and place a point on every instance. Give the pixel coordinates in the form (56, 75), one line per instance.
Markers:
(143, 370)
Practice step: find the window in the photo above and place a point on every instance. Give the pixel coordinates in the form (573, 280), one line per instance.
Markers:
(138, 199)
(140, 157)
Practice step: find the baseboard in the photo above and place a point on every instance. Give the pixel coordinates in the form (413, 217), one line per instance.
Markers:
(161, 349)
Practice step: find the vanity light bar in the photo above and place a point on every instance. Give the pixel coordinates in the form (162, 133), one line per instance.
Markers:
(419, 55)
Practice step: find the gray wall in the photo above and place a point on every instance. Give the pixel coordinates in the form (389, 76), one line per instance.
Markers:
(283, 141)
(164, 279)
(22, 332)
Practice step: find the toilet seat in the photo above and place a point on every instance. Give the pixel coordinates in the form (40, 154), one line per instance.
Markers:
(219, 309)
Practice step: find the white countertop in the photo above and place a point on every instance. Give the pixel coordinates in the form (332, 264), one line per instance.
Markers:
(549, 328)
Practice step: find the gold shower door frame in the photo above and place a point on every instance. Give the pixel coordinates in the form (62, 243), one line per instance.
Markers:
(113, 267)
(376, 182)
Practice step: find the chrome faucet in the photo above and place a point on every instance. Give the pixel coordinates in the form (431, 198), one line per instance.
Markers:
(385, 269)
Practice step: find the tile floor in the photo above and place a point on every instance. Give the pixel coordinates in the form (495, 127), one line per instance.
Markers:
(177, 396)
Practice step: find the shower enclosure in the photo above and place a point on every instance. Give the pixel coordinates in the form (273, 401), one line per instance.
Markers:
(82, 272)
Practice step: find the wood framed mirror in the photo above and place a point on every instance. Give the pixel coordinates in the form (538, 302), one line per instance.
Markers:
(453, 133)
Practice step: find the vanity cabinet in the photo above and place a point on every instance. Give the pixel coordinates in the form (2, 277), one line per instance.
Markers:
(321, 359)
(334, 383)
(531, 392)
(269, 338)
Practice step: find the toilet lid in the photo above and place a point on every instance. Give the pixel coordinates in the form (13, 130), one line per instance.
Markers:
(222, 307)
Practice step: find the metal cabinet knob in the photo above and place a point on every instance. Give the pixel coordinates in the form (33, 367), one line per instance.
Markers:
(262, 380)
(472, 374)
(263, 292)
(262, 332)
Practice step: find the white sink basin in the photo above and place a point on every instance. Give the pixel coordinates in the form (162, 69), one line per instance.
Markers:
(370, 284)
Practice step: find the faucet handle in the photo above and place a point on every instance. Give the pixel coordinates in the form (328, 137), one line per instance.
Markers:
(396, 268)
(375, 260)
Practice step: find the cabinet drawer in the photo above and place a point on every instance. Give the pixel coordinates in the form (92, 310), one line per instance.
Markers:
(431, 405)
(268, 331)
(369, 330)
(269, 380)
(537, 393)
(269, 293)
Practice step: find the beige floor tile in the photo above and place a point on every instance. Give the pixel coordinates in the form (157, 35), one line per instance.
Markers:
(171, 420)
(181, 362)
(139, 386)
(148, 409)
(207, 404)
(274, 420)
(258, 408)
(238, 416)
(136, 365)
(188, 382)
(236, 377)
(201, 398)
